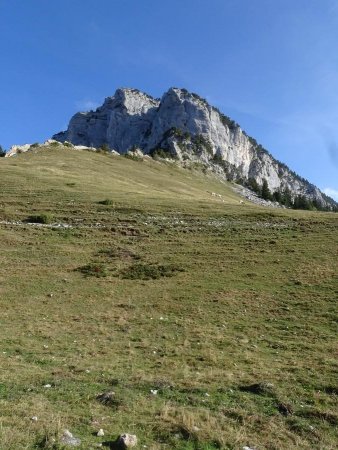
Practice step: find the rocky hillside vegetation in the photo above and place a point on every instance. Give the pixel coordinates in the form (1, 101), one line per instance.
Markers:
(183, 126)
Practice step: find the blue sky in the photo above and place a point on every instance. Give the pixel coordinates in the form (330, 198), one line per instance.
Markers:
(271, 65)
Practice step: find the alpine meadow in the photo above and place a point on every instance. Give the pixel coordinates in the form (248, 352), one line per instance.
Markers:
(141, 297)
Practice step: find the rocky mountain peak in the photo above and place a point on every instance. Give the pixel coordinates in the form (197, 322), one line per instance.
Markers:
(183, 125)
(132, 100)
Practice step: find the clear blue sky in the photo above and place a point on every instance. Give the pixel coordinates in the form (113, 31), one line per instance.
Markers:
(271, 65)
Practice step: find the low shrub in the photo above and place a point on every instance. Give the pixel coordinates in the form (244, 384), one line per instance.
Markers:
(43, 218)
(133, 156)
(106, 202)
(97, 270)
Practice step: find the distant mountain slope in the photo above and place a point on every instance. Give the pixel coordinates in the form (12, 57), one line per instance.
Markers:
(183, 125)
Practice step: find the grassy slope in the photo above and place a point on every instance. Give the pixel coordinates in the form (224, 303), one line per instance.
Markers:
(255, 302)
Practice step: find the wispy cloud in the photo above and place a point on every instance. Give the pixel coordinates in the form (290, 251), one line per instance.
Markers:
(331, 193)
(86, 104)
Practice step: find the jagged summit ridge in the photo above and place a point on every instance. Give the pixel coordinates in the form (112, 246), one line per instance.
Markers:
(185, 126)
(120, 122)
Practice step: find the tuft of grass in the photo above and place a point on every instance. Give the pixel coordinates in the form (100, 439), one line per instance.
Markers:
(97, 270)
(106, 202)
(143, 271)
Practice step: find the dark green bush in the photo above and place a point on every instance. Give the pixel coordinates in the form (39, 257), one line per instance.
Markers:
(163, 153)
(43, 218)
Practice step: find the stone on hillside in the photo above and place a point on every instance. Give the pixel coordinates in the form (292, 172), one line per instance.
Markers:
(17, 149)
(125, 441)
(106, 397)
(285, 409)
(263, 388)
(69, 440)
(137, 153)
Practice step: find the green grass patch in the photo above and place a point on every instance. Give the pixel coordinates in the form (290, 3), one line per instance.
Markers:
(237, 350)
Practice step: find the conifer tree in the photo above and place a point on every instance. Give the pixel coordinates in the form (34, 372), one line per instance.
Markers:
(266, 194)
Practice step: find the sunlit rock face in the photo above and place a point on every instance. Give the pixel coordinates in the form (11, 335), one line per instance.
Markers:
(185, 125)
(121, 122)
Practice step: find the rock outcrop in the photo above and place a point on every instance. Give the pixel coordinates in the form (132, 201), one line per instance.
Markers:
(121, 122)
(184, 126)
(50, 143)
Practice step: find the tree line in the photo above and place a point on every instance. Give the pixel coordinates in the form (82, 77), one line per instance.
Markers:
(284, 197)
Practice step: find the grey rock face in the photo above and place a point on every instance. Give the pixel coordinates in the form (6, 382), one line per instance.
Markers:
(121, 122)
(186, 126)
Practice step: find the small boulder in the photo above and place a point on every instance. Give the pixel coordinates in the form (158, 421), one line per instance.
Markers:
(263, 388)
(108, 399)
(68, 439)
(285, 409)
(125, 441)
(136, 153)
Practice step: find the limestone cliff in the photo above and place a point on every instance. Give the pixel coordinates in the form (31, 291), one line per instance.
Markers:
(185, 126)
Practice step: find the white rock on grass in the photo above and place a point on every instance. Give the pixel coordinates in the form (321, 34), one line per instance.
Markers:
(69, 440)
(100, 432)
